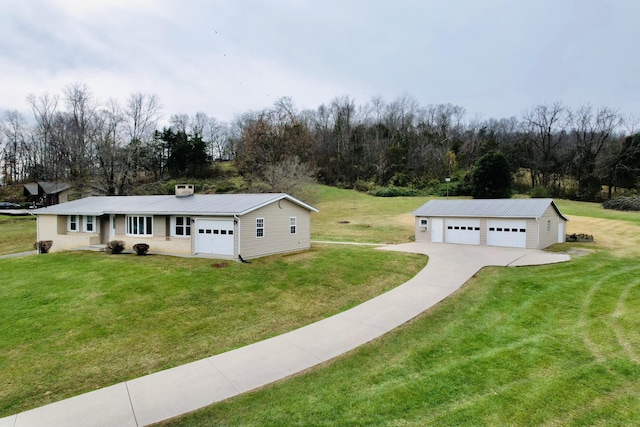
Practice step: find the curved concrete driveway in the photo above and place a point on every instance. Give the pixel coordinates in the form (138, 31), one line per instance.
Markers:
(182, 389)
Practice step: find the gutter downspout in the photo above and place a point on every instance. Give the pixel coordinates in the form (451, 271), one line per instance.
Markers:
(538, 234)
(38, 232)
(236, 219)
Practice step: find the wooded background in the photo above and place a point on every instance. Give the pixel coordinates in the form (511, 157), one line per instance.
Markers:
(111, 147)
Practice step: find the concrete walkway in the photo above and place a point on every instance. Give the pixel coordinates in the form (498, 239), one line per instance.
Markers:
(185, 388)
(19, 254)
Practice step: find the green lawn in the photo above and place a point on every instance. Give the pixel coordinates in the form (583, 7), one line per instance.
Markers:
(17, 234)
(595, 210)
(76, 321)
(548, 345)
(352, 216)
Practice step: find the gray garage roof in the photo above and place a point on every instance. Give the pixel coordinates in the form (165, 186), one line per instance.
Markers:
(198, 204)
(487, 208)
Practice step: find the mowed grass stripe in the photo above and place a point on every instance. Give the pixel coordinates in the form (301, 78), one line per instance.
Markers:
(76, 321)
(621, 318)
(601, 308)
(507, 349)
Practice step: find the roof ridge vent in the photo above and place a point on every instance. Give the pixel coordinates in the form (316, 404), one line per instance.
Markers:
(184, 190)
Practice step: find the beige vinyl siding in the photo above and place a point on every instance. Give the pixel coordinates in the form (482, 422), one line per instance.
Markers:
(160, 227)
(49, 227)
(532, 233)
(62, 224)
(483, 231)
(277, 236)
(422, 235)
(121, 225)
(549, 237)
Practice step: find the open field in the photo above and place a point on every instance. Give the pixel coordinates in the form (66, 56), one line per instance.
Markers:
(76, 321)
(357, 217)
(547, 345)
(17, 234)
(595, 210)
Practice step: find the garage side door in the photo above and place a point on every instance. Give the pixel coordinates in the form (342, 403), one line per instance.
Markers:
(214, 237)
(465, 231)
(507, 232)
(436, 230)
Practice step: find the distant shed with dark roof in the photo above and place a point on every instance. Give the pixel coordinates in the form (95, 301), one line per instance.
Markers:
(520, 223)
(45, 193)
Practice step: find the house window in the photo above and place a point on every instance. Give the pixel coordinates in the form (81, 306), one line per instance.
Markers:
(139, 225)
(259, 227)
(549, 225)
(89, 223)
(182, 226)
(292, 225)
(72, 223)
(424, 223)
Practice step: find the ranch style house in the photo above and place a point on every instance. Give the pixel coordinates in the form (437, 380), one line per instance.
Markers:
(225, 226)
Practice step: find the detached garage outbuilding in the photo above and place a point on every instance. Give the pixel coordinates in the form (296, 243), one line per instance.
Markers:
(518, 223)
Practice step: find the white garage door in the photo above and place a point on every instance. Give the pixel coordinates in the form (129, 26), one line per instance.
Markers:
(465, 231)
(507, 232)
(214, 237)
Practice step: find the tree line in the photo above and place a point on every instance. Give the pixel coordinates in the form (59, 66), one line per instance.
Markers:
(110, 147)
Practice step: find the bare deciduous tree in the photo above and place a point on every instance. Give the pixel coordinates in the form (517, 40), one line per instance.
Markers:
(545, 127)
(290, 176)
(79, 147)
(591, 131)
(44, 151)
(14, 132)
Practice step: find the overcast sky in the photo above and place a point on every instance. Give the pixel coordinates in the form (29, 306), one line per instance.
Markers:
(495, 58)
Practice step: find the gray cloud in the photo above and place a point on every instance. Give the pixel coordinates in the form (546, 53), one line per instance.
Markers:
(495, 58)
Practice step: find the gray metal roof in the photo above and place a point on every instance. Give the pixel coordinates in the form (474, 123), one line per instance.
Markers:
(198, 204)
(499, 208)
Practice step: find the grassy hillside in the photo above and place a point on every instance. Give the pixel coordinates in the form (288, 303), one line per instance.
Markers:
(17, 234)
(547, 345)
(353, 216)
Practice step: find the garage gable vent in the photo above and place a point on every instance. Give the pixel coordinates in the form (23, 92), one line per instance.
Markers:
(183, 190)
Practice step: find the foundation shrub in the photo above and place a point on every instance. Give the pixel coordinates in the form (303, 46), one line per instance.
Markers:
(43, 246)
(116, 246)
(141, 248)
